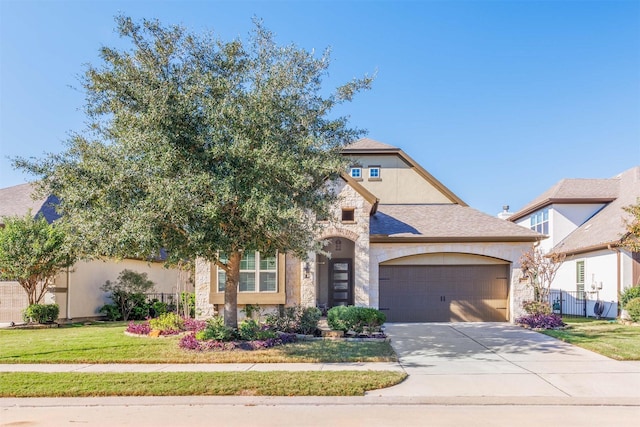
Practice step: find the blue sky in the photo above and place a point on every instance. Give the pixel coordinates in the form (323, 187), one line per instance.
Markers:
(497, 99)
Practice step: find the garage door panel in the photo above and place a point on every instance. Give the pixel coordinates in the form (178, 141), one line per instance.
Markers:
(444, 293)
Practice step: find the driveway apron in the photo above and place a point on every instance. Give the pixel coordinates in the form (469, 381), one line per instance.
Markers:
(500, 359)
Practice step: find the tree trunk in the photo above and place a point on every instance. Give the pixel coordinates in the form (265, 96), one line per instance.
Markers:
(231, 290)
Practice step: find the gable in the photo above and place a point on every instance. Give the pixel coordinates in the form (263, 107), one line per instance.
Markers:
(400, 180)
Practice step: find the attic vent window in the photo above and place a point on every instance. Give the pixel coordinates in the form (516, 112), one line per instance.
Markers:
(374, 173)
(348, 215)
(356, 172)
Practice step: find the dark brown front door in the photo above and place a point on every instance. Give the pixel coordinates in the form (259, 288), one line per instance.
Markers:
(340, 282)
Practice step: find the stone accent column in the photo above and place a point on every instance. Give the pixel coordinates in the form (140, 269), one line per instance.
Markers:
(520, 292)
(308, 284)
(293, 272)
(204, 309)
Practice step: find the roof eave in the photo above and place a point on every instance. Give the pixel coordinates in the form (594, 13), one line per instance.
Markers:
(452, 239)
(548, 202)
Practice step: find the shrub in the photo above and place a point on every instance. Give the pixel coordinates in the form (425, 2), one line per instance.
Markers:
(628, 295)
(216, 330)
(250, 330)
(167, 324)
(111, 311)
(296, 319)
(191, 342)
(536, 307)
(356, 319)
(127, 293)
(541, 321)
(158, 308)
(41, 313)
(633, 308)
(193, 324)
(336, 318)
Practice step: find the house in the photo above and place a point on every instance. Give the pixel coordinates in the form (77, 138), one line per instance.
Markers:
(585, 220)
(77, 289)
(401, 241)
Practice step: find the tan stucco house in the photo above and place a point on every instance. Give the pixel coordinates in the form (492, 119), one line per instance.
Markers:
(401, 242)
(77, 289)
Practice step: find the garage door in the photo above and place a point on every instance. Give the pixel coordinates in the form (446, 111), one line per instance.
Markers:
(444, 293)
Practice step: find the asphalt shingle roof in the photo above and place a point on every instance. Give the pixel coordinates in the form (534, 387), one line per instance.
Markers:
(368, 144)
(17, 201)
(443, 221)
(608, 225)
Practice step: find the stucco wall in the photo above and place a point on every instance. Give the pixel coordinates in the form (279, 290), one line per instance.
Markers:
(396, 176)
(86, 277)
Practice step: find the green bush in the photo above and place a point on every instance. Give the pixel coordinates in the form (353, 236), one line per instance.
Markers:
(536, 307)
(111, 312)
(167, 322)
(357, 319)
(336, 318)
(128, 294)
(295, 319)
(41, 313)
(628, 295)
(633, 308)
(216, 330)
(249, 330)
(158, 308)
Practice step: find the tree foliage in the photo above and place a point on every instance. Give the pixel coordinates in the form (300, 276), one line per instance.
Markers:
(632, 238)
(32, 252)
(540, 269)
(128, 291)
(197, 145)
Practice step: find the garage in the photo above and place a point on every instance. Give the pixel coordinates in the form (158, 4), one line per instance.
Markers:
(444, 293)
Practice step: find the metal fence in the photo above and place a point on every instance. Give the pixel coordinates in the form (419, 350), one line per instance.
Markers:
(568, 303)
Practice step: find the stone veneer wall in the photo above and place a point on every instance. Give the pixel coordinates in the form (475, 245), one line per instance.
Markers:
(204, 309)
(356, 231)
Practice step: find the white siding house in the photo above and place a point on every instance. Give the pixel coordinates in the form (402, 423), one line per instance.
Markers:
(584, 219)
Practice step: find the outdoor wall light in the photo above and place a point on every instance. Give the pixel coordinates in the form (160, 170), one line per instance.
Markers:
(307, 269)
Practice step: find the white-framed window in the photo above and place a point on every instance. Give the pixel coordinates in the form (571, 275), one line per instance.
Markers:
(540, 221)
(580, 280)
(258, 273)
(374, 172)
(356, 172)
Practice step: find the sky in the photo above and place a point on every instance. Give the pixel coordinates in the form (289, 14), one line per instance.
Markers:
(499, 100)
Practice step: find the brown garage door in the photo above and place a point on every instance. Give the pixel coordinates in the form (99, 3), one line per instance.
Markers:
(444, 293)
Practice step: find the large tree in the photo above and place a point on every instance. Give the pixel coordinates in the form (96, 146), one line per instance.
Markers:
(201, 147)
(32, 252)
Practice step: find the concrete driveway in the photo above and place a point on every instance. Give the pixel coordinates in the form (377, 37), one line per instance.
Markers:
(502, 360)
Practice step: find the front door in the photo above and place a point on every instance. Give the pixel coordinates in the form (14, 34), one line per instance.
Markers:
(340, 282)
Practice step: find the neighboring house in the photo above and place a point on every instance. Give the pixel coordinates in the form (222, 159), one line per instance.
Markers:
(585, 221)
(401, 242)
(77, 289)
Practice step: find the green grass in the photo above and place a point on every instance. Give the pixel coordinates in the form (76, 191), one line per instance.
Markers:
(611, 339)
(335, 383)
(107, 343)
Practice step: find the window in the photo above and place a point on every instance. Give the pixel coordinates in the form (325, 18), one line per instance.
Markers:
(580, 280)
(348, 214)
(374, 172)
(540, 221)
(356, 172)
(255, 268)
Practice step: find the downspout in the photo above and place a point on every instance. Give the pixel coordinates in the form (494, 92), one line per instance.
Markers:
(68, 310)
(618, 281)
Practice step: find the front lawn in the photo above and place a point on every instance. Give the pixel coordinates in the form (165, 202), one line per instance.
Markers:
(107, 343)
(330, 383)
(611, 339)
